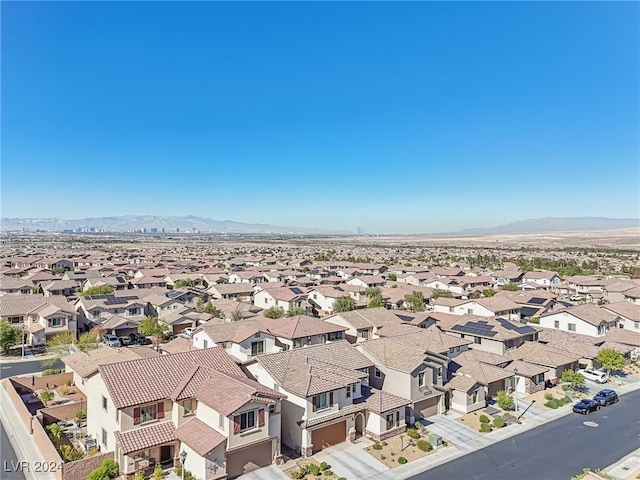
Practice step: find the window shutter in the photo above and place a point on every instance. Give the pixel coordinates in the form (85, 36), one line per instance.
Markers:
(48, 322)
(313, 404)
(236, 424)
(136, 415)
(331, 399)
(261, 417)
(160, 410)
(64, 322)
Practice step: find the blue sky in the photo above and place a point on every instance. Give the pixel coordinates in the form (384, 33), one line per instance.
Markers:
(393, 117)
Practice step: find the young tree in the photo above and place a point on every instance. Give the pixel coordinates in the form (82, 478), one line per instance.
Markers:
(375, 297)
(46, 396)
(151, 326)
(392, 277)
(504, 400)
(415, 301)
(210, 309)
(437, 293)
(9, 335)
(488, 292)
(295, 311)
(107, 470)
(610, 360)
(344, 304)
(236, 315)
(183, 282)
(572, 377)
(59, 346)
(274, 312)
(87, 341)
(98, 290)
(510, 287)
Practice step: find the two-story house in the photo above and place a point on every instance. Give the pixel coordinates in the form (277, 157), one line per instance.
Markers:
(301, 330)
(322, 297)
(92, 310)
(287, 298)
(542, 279)
(363, 324)
(498, 306)
(628, 314)
(588, 319)
(326, 387)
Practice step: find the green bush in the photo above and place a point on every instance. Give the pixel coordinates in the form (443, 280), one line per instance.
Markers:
(565, 388)
(328, 473)
(313, 469)
(504, 400)
(413, 433)
(50, 371)
(484, 419)
(402, 460)
(158, 473)
(296, 474)
(323, 466)
(548, 396)
(424, 445)
(377, 446)
(384, 444)
(485, 427)
(551, 404)
(139, 475)
(498, 422)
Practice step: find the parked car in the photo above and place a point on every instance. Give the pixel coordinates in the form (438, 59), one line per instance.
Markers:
(597, 376)
(111, 340)
(575, 298)
(586, 406)
(606, 397)
(124, 341)
(139, 339)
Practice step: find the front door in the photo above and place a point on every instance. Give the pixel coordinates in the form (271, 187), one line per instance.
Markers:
(165, 453)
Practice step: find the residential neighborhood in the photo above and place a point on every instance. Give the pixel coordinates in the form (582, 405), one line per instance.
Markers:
(242, 358)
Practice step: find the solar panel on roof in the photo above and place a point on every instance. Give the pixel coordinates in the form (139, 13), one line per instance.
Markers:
(537, 301)
(297, 291)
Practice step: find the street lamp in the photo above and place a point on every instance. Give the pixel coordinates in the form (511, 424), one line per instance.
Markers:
(183, 458)
(515, 389)
(24, 326)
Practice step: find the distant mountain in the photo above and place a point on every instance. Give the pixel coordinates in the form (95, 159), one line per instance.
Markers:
(555, 224)
(155, 223)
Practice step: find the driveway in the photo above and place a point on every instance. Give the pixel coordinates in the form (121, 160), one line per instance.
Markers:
(271, 472)
(449, 428)
(350, 461)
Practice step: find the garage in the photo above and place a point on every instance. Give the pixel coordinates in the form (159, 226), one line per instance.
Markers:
(426, 408)
(249, 458)
(329, 435)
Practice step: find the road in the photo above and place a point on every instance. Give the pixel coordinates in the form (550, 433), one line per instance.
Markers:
(556, 450)
(9, 461)
(10, 369)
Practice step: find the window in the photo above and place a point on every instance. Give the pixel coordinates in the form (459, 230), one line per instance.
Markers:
(451, 350)
(474, 397)
(257, 348)
(636, 324)
(457, 349)
(538, 379)
(348, 391)
(451, 309)
(117, 415)
(390, 418)
(439, 372)
(335, 336)
(297, 342)
(276, 387)
(104, 403)
(205, 343)
(14, 320)
(477, 340)
(320, 401)
(377, 372)
(272, 409)
(470, 311)
(148, 413)
(266, 300)
(556, 324)
(188, 406)
(571, 327)
(56, 322)
(247, 420)
(104, 438)
(134, 311)
(364, 334)
(421, 379)
(221, 421)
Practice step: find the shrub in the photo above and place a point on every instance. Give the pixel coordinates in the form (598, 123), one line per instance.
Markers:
(565, 388)
(384, 444)
(498, 422)
(485, 427)
(158, 473)
(551, 404)
(323, 466)
(313, 469)
(69, 454)
(402, 460)
(328, 473)
(484, 419)
(296, 474)
(424, 445)
(377, 446)
(50, 371)
(64, 391)
(139, 475)
(548, 396)
(413, 433)
(68, 383)
(504, 400)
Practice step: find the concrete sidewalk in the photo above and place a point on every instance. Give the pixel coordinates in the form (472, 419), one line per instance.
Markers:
(629, 464)
(21, 440)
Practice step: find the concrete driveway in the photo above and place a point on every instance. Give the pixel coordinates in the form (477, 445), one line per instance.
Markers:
(272, 472)
(350, 461)
(449, 429)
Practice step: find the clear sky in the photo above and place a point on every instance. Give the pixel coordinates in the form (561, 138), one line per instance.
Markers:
(393, 117)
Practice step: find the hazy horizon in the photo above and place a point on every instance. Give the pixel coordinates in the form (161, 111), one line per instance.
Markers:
(392, 117)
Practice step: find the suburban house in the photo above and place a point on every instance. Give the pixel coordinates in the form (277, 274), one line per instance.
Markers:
(117, 282)
(287, 298)
(587, 319)
(363, 324)
(236, 419)
(628, 315)
(301, 330)
(532, 303)
(556, 360)
(252, 277)
(410, 372)
(395, 298)
(16, 286)
(327, 390)
(497, 306)
(230, 290)
(39, 317)
(367, 281)
(495, 335)
(544, 278)
(243, 340)
(507, 275)
(614, 292)
(93, 309)
(322, 297)
(66, 288)
(147, 282)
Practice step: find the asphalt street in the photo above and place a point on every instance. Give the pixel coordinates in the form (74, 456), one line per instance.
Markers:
(556, 450)
(10, 369)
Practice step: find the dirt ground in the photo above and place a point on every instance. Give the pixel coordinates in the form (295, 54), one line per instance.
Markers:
(397, 447)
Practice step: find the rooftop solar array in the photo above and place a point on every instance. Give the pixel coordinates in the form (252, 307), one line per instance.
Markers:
(537, 301)
(522, 329)
(297, 291)
(480, 328)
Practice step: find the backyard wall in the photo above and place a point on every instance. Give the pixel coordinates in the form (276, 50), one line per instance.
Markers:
(80, 469)
(48, 452)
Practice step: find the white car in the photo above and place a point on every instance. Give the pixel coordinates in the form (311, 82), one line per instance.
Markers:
(575, 298)
(597, 376)
(111, 340)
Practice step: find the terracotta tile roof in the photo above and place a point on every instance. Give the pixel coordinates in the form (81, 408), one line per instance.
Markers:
(622, 335)
(370, 317)
(316, 369)
(286, 294)
(430, 340)
(625, 309)
(87, 363)
(462, 383)
(343, 412)
(526, 369)
(542, 354)
(199, 436)
(298, 326)
(588, 312)
(395, 355)
(474, 356)
(227, 393)
(117, 321)
(145, 437)
(177, 345)
(483, 372)
(27, 304)
(156, 378)
(235, 332)
(380, 402)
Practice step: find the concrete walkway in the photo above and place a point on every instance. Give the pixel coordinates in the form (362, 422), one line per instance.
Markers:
(449, 428)
(271, 472)
(629, 464)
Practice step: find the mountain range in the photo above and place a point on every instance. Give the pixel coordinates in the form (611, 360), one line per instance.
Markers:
(190, 223)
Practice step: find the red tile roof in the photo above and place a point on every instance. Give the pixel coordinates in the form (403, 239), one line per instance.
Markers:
(151, 379)
(145, 437)
(199, 436)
